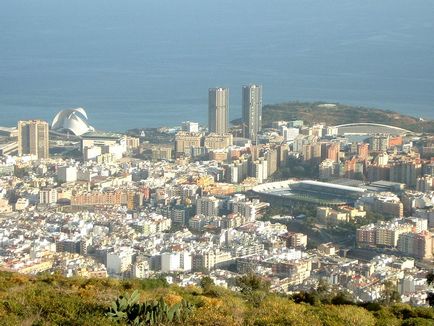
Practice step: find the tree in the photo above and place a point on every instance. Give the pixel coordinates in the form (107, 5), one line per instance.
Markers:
(416, 322)
(430, 294)
(430, 278)
(254, 287)
(251, 282)
(389, 294)
(311, 298)
(323, 287)
(342, 298)
(20, 172)
(206, 283)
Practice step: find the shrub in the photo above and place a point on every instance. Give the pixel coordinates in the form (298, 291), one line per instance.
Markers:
(417, 322)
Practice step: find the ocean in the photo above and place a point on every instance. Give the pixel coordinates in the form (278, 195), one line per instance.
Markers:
(145, 63)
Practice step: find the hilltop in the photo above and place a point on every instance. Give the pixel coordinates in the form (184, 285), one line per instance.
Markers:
(336, 114)
(56, 300)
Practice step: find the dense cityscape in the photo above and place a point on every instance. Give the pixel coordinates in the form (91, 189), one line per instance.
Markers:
(295, 203)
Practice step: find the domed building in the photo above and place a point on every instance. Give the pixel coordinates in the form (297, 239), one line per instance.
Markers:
(73, 121)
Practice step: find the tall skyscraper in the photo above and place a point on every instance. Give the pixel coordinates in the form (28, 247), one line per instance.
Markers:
(33, 138)
(218, 110)
(252, 111)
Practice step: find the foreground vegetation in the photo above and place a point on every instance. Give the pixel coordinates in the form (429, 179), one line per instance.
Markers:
(341, 114)
(55, 300)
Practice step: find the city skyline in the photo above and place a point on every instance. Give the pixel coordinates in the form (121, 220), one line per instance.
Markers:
(144, 180)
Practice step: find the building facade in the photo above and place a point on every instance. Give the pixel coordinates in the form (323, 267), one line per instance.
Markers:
(218, 110)
(33, 138)
(252, 111)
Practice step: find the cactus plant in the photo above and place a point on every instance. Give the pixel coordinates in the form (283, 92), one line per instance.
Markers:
(127, 309)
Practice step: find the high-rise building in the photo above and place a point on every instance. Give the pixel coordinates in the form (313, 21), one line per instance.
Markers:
(406, 172)
(379, 143)
(208, 206)
(382, 234)
(307, 150)
(48, 196)
(333, 152)
(363, 151)
(425, 183)
(33, 138)
(328, 169)
(418, 245)
(252, 111)
(378, 172)
(295, 240)
(428, 169)
(218, 110)
(289, 134)
(272, 160)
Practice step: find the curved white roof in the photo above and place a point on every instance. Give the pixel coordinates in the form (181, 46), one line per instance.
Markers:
(72, 120)
(369, 127)
(285, 185)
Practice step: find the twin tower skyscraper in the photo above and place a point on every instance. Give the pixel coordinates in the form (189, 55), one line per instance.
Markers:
(218, 110)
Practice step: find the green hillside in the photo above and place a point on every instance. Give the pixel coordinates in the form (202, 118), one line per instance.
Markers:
(55, 300)
(341, 114)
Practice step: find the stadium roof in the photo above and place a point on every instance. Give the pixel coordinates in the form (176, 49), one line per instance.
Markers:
(277, 186)
(369, 128)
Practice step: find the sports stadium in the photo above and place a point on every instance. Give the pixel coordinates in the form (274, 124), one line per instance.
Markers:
(295, 191)
(367, 128)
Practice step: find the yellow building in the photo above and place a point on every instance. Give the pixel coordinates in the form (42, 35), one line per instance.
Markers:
(184, 141)
(218, 141)
(34, 268)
